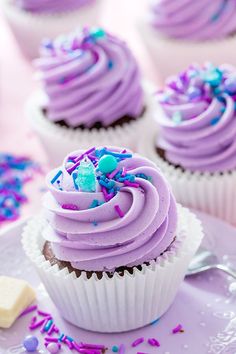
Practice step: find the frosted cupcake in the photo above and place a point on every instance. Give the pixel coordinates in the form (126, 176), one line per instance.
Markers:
(178, 32)
(196, 144)
(33, 20)
(92, 94)
(114, 246)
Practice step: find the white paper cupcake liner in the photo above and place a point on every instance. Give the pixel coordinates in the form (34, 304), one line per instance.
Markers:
(120, 303)
(171, 56)
(29, 29)
(58, 141)
(212, 193)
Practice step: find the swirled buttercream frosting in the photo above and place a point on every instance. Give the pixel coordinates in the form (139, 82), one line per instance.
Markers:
(198, 127)
(108, 208)
(51, 6)
(194, 20)
(90, 77)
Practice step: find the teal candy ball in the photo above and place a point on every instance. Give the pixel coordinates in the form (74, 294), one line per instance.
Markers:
(107, 164)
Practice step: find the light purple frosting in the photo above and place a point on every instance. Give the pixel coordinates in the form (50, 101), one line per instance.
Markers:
(146, 230)
(90, 76)
(51, 6)
(204, 138)
(194, 20)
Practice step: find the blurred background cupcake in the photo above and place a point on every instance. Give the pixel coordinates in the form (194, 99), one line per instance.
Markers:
(196, 142)
(112, 234)
(33, 20)
(178, 32)
(92, 93)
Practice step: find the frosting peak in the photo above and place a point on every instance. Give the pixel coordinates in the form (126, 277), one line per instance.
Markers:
(194, 20)
(129, 219)
(90, 77)
(198, 130)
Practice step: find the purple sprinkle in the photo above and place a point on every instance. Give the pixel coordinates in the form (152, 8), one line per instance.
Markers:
(93, 346)
(70, 207)
(119, 211)
(28, 310)
(154, 342)
(131, 184)
(177, 329)
(112, 174)
(78, 159)
(49, 339)
(138, 341)
(45, 314)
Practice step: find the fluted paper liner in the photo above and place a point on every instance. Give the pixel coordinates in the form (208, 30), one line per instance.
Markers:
(172, 55)
(212, 193)
(30, 28)
(58, 141)
(120, 303)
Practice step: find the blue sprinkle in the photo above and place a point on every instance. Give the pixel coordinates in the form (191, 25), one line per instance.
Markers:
(110, 64)
(61, 337)
(154, 322)
(74, 176)
(56, 177)
(95, 223)
(94, 204)
(70, 339)
(215, 120)
(48, 325)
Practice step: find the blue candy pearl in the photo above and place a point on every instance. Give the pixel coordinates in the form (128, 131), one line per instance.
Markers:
(107, 164)
(31, 343)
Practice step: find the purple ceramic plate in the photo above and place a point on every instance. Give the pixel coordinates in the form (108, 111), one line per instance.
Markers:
(204, 305)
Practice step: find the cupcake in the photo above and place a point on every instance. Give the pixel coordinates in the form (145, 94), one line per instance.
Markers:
(196, 144)
(178, 32)
(92, 94)
(113, 246)
(33, 20)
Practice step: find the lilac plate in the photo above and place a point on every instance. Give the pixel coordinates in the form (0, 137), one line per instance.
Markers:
(204, 305)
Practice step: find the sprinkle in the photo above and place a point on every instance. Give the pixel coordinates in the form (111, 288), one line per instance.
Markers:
(110, 64)
(69, 344)
(138, 341)
(74, 176)
(112, 174)
(42, 313)
(115, 349)
(119, 211)
(215, 120)
(28, 310)
(94, 204)
(53, 329)
(48, 325)
(130, 184)
(59, 173)
(122, 349)
(49, 339)
(70, 207)
(177, 329)
(95, 223)
(155, 322)
(153, 342)
(36, 325)
(62, 338)
(78, 159)
(93, 346)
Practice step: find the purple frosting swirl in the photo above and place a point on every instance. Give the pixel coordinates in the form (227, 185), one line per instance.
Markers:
(89, 77)
(194, 20)
(51, 6)
(198, 130)
(99, 238)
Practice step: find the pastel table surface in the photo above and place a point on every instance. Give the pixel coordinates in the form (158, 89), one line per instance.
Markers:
(16, 84)
(204, 306)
